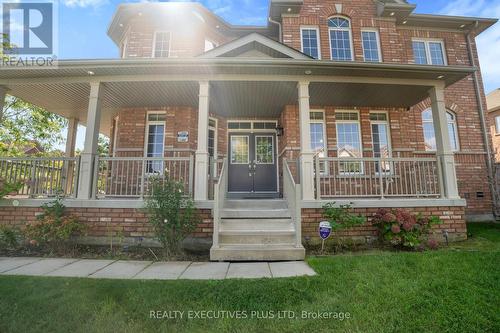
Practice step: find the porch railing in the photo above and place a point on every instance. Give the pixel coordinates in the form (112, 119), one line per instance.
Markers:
(377, 177)
(220, 190)
(43, 176)
(129, 177)
(292, 193)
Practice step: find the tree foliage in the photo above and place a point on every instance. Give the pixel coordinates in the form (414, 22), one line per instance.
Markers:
(24, 124)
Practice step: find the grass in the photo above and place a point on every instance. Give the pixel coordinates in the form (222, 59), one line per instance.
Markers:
(449, 290)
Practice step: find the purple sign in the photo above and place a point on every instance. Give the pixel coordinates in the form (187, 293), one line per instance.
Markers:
(325, 229)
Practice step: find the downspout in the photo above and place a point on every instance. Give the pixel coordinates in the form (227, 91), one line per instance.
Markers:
(484, 127)
(280, 37)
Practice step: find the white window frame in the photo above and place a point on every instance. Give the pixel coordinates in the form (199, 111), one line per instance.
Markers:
(146, 137)
(214, 128)
(362, 169)
(497, 125)
(426, 42)
(377, 37)
(215, 45)
(454, 123)
(325, 143)
(340, 29)
(169, 43)
(231, 149)
(386, 122)
(255, 147)
(310, 27)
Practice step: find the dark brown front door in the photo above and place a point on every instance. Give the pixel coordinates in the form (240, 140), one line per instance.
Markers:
(252, 163)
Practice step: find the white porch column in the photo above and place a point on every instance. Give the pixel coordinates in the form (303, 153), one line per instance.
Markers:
(306, 153)
(444, 152)
(3, 93)
(71, 137)
(91, 137)
(201, 156)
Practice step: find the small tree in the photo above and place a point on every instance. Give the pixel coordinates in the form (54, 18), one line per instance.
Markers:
(171, 213)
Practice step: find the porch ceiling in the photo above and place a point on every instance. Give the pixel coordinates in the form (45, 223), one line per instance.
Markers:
(239, 88)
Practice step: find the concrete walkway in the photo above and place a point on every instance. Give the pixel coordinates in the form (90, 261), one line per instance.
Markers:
(148, 270)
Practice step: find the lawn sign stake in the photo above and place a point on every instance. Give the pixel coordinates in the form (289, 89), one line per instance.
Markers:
(325, 230)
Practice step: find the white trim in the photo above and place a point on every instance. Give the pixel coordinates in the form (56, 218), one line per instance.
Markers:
(274, 147)
(358, 122)
(377, 37)
(387, 123)
(426, 42)
(231, 149)
(340, 29)
(216, 134)
(251, 129)
(169, 43)
(214, 44)
(146, 134)
(115, 134)
(310, 27)
(387, 203)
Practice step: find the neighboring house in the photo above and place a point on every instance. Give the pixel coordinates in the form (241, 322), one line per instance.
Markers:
(493, 102)
(323, 95)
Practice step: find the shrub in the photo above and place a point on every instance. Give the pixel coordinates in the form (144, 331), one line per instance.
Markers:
(171, 213)
(9, 237)
(399, 227)
(8, 188)
(341, 217)
(53, 228)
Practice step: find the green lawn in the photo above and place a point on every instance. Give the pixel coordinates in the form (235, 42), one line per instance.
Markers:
(450, 290)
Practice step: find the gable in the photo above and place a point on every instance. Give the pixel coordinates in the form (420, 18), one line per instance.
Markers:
(254, 45)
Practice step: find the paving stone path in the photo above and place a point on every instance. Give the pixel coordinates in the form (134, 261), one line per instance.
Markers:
(148, 270)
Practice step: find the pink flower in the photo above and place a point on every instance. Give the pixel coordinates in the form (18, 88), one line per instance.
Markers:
(407, 226)
(395, 229)
(389, 217)
(433, 244)
(33, 242)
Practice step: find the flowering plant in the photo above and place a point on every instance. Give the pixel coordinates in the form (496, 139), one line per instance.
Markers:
(401, 228)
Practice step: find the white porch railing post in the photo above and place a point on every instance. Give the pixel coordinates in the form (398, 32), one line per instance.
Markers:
(317, 175)
(85, 187)
(443, 147)
(201, 161)
(306, 153)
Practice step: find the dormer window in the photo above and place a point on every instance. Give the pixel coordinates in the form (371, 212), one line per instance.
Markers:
(209, 45)
(340, 39)
(161, 44)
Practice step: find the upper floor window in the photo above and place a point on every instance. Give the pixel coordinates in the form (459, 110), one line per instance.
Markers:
(340, 39)
(371, 45)
(310, 41)
(429, 134)
(497, 124)
(427, 52)
(161, 44)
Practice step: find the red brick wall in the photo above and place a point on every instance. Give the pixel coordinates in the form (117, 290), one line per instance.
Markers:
(105, 222)
(453, 222)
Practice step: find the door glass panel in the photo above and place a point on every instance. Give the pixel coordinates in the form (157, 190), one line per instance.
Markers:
(264, 149)
(239, 150)
(155, 147)
(381, 146)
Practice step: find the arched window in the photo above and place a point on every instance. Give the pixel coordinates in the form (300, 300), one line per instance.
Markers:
(340, 39)
(429, 134)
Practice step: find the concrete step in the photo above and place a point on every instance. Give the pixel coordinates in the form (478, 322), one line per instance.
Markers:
(256, 204)
(256, 253)
(257, 237)
(229, 213)
(256, 224)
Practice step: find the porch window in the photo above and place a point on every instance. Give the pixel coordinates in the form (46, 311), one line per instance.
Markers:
(310, 41)
(161, 44)
(340, 39)
(212, 138)
(155, 145)
(427, 52)
(380, 139)
(371, 45)
(348, 141)
(429, 134)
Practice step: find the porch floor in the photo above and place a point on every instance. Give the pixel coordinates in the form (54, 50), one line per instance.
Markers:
(148, 270)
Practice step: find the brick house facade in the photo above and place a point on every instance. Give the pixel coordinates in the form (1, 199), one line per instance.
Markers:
(175, 38)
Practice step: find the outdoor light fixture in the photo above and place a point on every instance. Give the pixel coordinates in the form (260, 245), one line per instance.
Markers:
(90, 73)
(404, 22)
(279, 131)
(392, 13)
(308, 72)
(462, 26)
(440, 76)
(289, 10)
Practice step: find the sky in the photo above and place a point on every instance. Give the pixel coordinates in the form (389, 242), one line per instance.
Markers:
(83, 28)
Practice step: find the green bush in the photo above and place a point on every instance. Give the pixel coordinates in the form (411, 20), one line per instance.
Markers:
(8, 188)
(340, 217)
(399, 227)
(171, 213)
(53, 228)
(9, 237)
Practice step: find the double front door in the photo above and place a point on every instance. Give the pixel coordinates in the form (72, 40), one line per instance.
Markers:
(252, 163)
